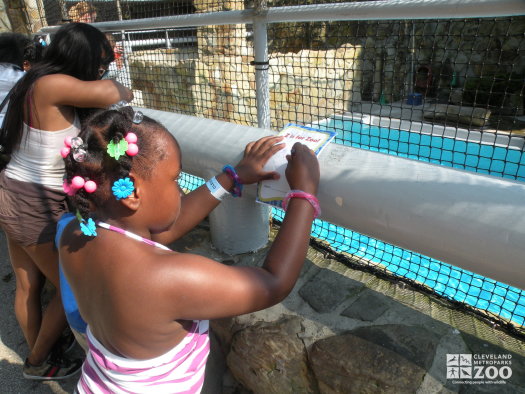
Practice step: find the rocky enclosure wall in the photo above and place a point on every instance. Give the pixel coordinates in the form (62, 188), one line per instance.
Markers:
(473, 63)
(303, 86)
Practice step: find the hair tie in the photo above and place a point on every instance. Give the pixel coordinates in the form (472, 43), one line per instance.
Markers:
(127, 145)
(78, 183)
(137, 115)
(118, 105)
(133, 148)
(76, 145)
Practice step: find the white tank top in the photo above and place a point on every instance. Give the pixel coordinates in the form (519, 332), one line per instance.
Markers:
(38, 159)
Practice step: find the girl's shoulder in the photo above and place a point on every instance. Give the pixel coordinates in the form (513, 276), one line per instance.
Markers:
(55, 80)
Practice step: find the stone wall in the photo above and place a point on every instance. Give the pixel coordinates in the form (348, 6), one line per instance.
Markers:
(5, 23)
(14, 17)
(21, 16)
(459, 53)
(303, 86)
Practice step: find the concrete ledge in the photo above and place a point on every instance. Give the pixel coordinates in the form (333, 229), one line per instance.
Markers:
(454, 113)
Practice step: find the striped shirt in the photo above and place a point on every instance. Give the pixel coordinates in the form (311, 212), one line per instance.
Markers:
(180, 370)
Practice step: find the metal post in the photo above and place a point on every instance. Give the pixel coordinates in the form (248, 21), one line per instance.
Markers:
(240, 225)
(167, 37)
(261, 63)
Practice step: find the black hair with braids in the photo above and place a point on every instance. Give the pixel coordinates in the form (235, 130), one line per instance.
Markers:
(99, 130)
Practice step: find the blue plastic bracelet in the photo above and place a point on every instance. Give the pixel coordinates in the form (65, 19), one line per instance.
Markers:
(237, 184)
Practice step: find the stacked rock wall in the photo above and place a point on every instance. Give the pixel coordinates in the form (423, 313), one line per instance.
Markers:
(303, 86)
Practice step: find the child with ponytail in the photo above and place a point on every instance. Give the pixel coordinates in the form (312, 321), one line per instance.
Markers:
(147, 307)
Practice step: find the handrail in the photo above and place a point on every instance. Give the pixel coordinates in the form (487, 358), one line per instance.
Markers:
(367, 10)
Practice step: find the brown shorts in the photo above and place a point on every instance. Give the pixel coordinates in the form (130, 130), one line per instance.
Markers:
(28, 211)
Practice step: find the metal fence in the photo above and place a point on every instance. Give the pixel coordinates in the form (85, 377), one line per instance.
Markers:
(437, 81)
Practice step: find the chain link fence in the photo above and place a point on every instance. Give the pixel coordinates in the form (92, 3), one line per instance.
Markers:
(446, 91)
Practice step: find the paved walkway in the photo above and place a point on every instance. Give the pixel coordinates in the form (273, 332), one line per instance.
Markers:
(13, 348)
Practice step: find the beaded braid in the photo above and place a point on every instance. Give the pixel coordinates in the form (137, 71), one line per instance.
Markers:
(106, 161)
(116, 133)
(102, 128)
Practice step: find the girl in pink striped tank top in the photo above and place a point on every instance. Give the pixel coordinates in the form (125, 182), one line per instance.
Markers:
(147, 307)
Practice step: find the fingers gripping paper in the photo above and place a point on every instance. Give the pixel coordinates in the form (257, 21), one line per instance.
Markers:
(273, 191)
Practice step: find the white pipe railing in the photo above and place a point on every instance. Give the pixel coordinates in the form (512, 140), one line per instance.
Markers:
(469, 220)
(262, 64)
(366, 10)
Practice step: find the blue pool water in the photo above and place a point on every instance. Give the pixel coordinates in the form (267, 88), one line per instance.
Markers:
(449, 281)
(472, 156)
(452, 282)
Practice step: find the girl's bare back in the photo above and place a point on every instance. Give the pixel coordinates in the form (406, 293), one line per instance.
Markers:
(122, 285)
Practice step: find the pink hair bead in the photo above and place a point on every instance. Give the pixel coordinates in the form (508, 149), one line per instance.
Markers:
(67, 141)
(132, 150)
(77, 182)
(65, 151)
(68, 189)
(90, 186)
(131, 138)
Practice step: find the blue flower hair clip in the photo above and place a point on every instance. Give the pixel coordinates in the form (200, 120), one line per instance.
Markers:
(88, 227)
(122, 188)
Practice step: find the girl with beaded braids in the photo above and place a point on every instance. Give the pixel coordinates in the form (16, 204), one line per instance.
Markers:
(45, 106)
(147, 307)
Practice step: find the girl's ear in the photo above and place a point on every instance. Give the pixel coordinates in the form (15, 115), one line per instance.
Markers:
(133, 200)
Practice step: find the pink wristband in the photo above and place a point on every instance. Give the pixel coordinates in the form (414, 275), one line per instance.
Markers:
(307, 196)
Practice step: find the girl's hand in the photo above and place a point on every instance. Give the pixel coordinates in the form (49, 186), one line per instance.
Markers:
(302, 171)
(256, 154)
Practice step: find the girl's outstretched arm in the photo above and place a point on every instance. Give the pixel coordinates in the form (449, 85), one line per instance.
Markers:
(199, 203)
(199, 288)
(61, 89)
